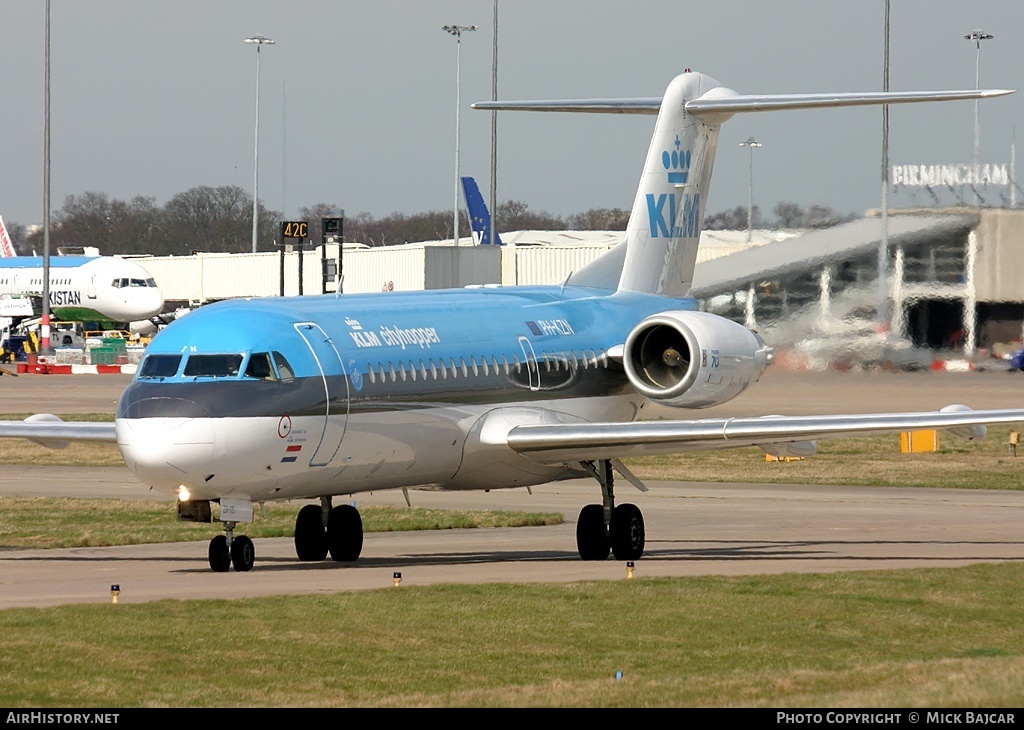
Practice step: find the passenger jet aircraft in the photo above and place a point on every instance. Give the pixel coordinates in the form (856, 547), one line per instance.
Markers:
(315, 397)
(107, 290)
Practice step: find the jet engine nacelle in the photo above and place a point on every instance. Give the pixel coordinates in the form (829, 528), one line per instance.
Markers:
(690, 359)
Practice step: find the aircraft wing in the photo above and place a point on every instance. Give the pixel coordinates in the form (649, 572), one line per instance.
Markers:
(49, 430)
(590, 441)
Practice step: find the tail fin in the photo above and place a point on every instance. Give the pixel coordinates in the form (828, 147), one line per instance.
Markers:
(668, 211)
(6, 247)
(479, 216)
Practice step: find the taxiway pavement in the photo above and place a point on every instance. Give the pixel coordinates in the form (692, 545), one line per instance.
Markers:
(692, 528)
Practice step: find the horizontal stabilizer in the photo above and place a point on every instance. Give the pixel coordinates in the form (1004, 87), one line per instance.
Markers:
(721, 101)
(728, 104)
(646, 105)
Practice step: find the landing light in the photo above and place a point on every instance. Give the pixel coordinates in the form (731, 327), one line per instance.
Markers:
(183, 493)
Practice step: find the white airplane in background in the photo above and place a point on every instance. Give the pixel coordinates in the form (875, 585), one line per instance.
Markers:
(107, 290)
(254, 400)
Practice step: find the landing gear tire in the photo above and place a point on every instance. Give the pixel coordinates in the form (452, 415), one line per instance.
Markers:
(627, 532)
(591, 533)
(243, 554)
(310, 536)
(344, 533)
(220, 557)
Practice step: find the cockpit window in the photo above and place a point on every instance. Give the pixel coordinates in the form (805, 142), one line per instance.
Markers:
(125, 282)
(160, 366)
(213, 366)
(259, 367)
(284, 370)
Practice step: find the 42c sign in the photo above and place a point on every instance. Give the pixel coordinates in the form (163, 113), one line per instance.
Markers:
(295, 229)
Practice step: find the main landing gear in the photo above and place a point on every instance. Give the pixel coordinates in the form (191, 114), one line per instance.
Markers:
(325, 529)
(227, 551)
(604, 528)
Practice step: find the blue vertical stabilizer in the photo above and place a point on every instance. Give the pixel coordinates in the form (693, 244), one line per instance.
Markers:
(479, 216)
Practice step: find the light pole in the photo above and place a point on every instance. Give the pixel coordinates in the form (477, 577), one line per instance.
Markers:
(883, 313)
(259, 41)
(977, 35)
(44, 330)
(750, 144)
(457, 31)
(494, 122)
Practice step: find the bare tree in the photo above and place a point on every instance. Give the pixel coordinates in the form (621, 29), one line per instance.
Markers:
(220, 219)
(790, 215)
(112, 226)
(217, 219)
(600, 219)
(313, 215)
(514, 215)
(727, 220)
(16, 232)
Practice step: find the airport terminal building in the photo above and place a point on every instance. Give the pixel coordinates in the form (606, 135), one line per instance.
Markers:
(924, 280)
(894, 290)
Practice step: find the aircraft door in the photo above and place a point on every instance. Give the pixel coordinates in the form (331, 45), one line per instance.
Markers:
(335, 384)
(91, 287)
(530, 358)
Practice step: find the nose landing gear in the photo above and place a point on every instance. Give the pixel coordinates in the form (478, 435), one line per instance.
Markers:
(227, 551)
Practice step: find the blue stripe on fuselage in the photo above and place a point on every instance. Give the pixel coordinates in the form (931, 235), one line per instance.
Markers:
(36, 262)
(418, 347)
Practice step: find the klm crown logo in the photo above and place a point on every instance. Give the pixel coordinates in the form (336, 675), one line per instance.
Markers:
(674, 214)
(676, 163)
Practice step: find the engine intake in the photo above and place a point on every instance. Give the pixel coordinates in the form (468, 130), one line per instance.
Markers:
(693, 359)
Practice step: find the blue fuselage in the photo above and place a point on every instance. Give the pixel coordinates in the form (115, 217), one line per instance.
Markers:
(528, 343)
(277, 396)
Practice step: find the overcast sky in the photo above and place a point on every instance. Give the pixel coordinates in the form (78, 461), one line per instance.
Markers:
(357, 99)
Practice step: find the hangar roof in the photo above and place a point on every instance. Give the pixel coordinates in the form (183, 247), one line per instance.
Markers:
(820, 247)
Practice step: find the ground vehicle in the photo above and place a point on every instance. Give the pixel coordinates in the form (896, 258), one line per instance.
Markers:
(16, 348)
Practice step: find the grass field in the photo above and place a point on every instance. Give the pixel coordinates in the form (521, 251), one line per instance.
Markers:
(921, 638)
(44, 522)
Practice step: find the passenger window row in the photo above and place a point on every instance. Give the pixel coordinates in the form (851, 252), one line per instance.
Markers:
(439, 370)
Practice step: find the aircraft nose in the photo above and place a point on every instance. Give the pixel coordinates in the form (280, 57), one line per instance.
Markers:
(154, 302)
(168, 452)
